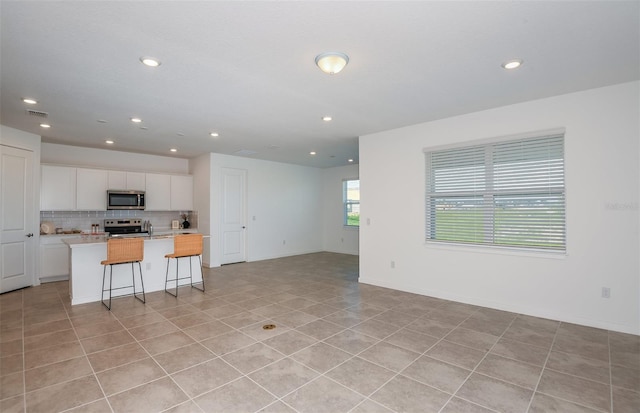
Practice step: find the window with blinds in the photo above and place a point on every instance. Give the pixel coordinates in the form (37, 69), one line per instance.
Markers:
(507, 193)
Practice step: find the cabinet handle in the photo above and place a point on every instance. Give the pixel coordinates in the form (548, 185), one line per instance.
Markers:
(29, 235)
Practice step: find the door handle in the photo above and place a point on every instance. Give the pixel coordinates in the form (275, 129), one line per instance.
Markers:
(29, 235)
(243, 227)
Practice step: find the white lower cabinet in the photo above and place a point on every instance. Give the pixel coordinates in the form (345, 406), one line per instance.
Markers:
(54, 259)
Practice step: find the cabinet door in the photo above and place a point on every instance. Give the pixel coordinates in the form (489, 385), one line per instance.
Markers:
(181, 193)
(54, 260)
(158, 192)
(127, 180)
(117, 180)
(91, 193)
(57, 188)
(136, 181)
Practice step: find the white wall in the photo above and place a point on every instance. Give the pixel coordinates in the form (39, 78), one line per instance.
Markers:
(109, 159)
(286, 201)
(337, 237)
(30, 142)
(200, 168)
(602, 180)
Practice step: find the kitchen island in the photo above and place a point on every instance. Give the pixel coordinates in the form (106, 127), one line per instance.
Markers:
(86, 253)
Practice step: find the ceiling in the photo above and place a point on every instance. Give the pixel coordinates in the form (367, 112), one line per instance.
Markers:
(246, 69)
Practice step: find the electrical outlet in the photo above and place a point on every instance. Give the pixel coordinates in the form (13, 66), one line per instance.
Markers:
(368, 221)
(393, 264)
(606, 292)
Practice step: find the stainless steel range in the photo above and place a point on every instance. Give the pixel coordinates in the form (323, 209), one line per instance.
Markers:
(124, 227)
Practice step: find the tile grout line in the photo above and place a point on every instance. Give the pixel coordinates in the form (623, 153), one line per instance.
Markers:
(610, 373)
(479, 363)
(95, 376)
(544, 366)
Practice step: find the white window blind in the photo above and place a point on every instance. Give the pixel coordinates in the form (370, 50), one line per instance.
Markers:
(508, 193)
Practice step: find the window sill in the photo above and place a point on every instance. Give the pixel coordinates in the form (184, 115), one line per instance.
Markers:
(351, 227)
(486, 249)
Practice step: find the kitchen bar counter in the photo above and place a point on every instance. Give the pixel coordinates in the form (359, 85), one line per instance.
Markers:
(86, 239)
(85, 280)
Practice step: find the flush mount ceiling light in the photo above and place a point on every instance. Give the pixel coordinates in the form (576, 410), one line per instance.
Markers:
(214, 134)
(29, 101)
(350, 160)
(173, 150)
(109, 142)
(45, 125)
(136, 120)
(512, 64)
(327, 118)
(312, 153)
(150, 61)
(332, 62)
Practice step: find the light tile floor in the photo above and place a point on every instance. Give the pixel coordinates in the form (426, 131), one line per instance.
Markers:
(339, 346)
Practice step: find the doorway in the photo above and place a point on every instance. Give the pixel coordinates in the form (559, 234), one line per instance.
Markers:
(233, 216)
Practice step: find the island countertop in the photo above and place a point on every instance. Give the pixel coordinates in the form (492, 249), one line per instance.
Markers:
(89, 239)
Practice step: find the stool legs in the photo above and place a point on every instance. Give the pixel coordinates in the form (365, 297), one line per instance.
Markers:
(144, 298)
(133, 276)
(166, 282)
(104, 270)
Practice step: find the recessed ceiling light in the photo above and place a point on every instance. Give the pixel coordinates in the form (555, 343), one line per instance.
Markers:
(45, 125)
(136, 120)
(29, 101)
(326, 118)
(173, 150)
(150, 61)
(312, 153)
(143, 127)
(101, 121)
(512, 64)
(214, 134)
(350, 160)
(180, 134)
(109, 142)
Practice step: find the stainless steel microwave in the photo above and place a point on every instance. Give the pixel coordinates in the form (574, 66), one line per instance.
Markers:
(122, 199)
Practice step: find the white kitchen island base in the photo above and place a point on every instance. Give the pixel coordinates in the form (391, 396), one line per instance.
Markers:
(85, 280)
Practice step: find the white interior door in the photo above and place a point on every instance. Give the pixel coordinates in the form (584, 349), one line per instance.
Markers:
(233, 215)
(16, 219)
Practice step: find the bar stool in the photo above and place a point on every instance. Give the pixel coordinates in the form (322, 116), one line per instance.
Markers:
(185, 246)
(123, 251)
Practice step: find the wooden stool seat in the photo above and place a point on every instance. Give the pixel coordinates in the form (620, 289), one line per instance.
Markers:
(123, 251)
(185, 246)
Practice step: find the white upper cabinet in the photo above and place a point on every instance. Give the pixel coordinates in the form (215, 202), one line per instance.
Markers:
(91, 189)
(136, 181)
(65, 188)
(158, 192)
(117, 180)
(181, 193)
(57, 188)
(127, 180)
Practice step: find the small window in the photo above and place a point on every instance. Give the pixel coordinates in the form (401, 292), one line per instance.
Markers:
(351, 202)
(506, 193)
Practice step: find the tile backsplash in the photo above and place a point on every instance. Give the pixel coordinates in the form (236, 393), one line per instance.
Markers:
(82, 220)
